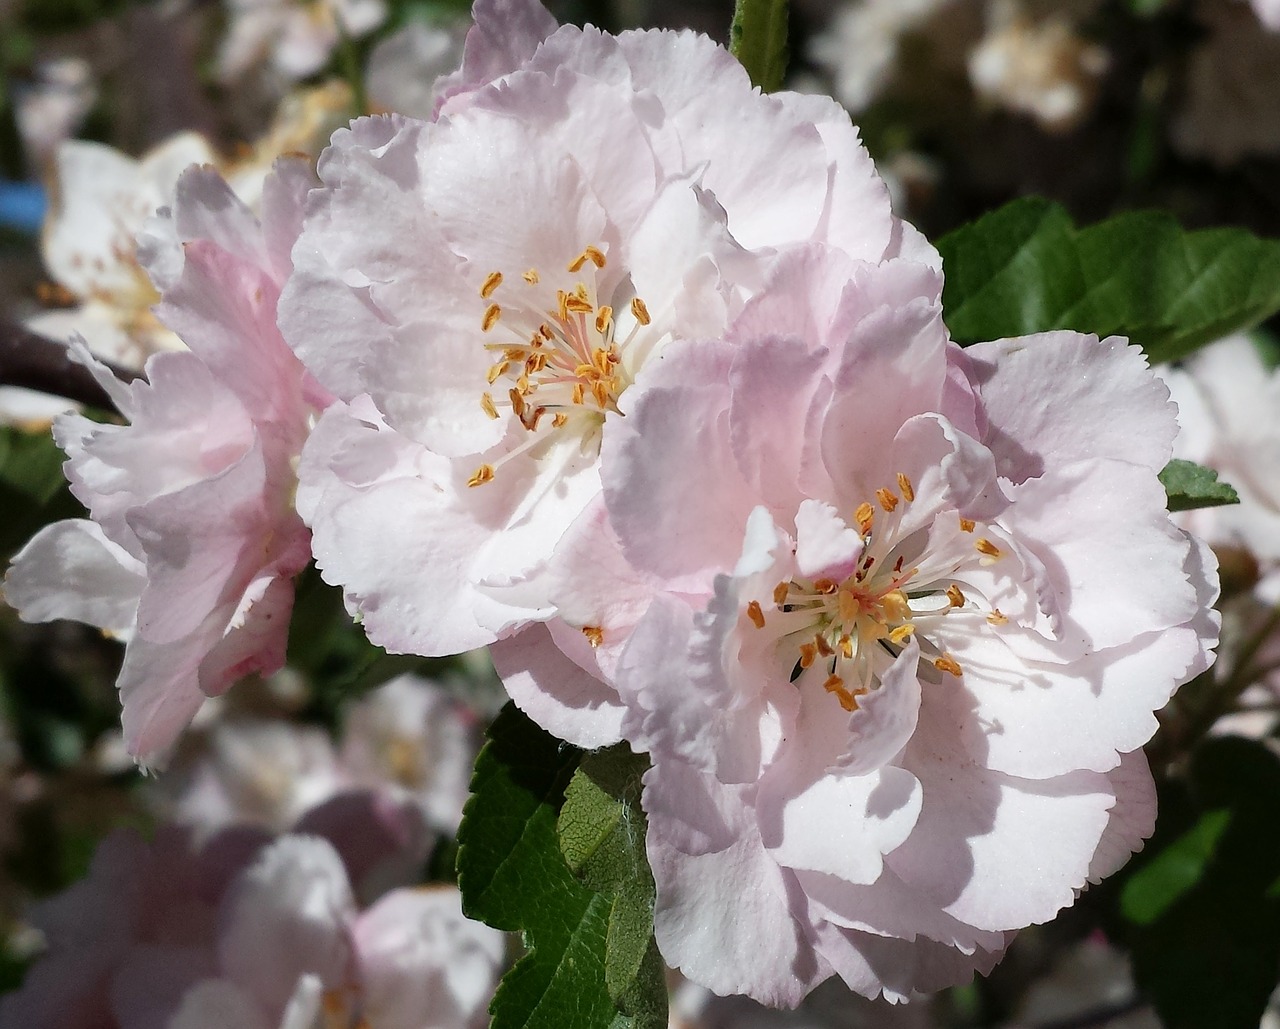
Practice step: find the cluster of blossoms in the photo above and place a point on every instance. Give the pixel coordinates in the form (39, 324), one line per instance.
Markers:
(672, 422)
(248, 931)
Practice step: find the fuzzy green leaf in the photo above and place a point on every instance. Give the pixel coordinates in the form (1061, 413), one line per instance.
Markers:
(1190, 485)
(513, 876)
(602, 832)
(1027, 268)
(758, 38)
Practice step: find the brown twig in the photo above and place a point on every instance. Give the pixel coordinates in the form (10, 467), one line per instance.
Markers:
(32, 361)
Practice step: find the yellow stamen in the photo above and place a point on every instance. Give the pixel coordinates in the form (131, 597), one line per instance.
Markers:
(846, 646)
(808, 654)
(559, 420)
(825, 586)
(577, 305)
(902, 633)
(824, 648)
(486, 402)
(592, 254)
(780, 593)
(864, 516)
(755, 614)
(947, 663)
(497, 371)
(967, 525)
(849, 606)
(603, 317)
(985, 546)
(532, 277)
(491, 315)
(490, 284)
(517, 402)
(482, 475)
(955, 596)
(835, 685)
(997, 617)
(887, 500)
(594, 635)
(908, 491)
(639, 311)
(895, 606)
(579, 392)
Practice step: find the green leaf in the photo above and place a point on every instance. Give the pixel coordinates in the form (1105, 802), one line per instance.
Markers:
(514, 876)
(1190, 485)
(602, 832)
(1203, 914)
(758, 38)
(1026, 268)
(1151, 892)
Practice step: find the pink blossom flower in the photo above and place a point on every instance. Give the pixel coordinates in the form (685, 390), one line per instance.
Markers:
(193, 541)
(896, 622)
(254, 933)
(519, 283)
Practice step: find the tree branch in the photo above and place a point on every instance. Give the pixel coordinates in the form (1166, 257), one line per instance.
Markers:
(32, 361)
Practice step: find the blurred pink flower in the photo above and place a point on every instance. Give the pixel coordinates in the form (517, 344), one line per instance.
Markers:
(193, 542)
(254, 933)
(896, 622)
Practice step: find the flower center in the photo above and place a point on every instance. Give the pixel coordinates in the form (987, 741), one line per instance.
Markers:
(855, 627)
(562, 364)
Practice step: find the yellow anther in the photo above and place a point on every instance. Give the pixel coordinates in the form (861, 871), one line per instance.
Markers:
(532, 423)
(955, 596)
(603, 317)
(639, 311)
(522, 384)
(846, 647)
(600, 358)
(895, 606)
(592, 254)
(577, 304)
(559, 420)
(947, 663)
(864, 516)
(825, 586)
(532, 277)
(491, 315)
(967, 525)
(887, 500)
(902, 633)
(534, 363)
(490, 284)
(780, 593)
(835, 684)
(997, 617)
(755, 614)
(594, 635)
(904, 486)
(486, 402)
(985, 546)
(849, 605)
(514, 353)
(808, 654)
(482, 475)
(579, 392)
(517, 402)
(601, 391)
(497, 371)
(824, 648)
(562, 304)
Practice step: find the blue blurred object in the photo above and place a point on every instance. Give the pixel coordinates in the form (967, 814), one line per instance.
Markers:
(22, 206)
